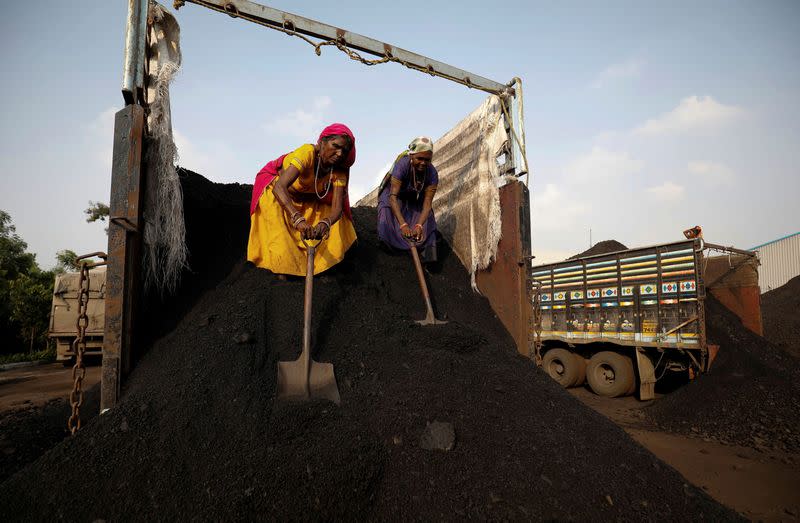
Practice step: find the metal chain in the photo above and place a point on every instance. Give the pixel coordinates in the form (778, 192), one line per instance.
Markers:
(79, 345)
(78, 348)
(342, 46)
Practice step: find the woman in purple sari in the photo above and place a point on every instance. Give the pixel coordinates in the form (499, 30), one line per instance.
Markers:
(405, 212)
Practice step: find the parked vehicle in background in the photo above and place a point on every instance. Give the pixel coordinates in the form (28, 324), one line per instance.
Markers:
(64, 313)
(618, 320)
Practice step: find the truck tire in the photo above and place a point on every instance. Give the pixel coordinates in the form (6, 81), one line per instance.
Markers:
(562, 366)
(610, 374)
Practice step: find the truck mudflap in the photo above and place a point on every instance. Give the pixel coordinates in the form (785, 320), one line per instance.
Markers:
(647, 375)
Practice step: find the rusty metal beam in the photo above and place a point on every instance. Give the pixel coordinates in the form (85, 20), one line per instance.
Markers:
(123, 250)
(305, 26)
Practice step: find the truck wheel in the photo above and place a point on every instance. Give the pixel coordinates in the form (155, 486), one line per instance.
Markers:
(581, 362)
(610, 374)
(562, 366)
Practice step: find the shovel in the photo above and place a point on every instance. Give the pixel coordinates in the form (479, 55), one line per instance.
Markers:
(305, 379)
(430, 319)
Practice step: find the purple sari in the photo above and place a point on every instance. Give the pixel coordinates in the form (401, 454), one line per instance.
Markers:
(411, 202)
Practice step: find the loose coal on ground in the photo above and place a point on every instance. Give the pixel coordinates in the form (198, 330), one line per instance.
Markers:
(780, 311)
(27, 433)
(750, 396)
(198, 435)
(603, 247)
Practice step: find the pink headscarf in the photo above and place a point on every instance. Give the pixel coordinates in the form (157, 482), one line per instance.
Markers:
(270, 171)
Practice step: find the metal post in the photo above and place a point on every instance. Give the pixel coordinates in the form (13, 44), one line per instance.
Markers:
(135, 39)
(141, 58)
(123, 251)
(516, 124)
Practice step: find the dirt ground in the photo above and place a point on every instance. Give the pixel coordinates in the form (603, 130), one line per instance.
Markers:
(762, 485)
(34, 408)
(28, 387)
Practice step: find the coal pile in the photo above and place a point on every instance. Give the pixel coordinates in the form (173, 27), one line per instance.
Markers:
(27, 433)
(780, 310)
(198, 435)
(750, 397)
(603, 247)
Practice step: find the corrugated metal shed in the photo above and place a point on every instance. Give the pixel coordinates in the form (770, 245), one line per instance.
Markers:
(780, 261)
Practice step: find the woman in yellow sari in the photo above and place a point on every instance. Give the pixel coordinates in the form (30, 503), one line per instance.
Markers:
(303, 195)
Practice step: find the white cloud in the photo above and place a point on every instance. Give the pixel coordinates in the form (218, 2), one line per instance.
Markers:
(691, 113)
(667, 192)
(382, 172)
(214, 160)
(554, 209)
(100, 135)
(356, 191)
(715, 173)
(301, 123)
(188, 154)
(616, 72)
(601, 164)
(544, 256)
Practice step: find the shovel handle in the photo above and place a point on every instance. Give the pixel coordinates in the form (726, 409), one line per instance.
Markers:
(307, 300)
(421, 276)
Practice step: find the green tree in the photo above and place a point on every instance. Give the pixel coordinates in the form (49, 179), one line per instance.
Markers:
(97, 211)
(13, 258)
(31, 295)
(14, 261)
(67, 261)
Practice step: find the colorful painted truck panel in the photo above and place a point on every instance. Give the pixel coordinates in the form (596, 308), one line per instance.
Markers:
(647, 297)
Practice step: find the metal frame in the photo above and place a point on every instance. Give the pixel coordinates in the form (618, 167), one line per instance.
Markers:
(125, 209)
(127, 180)
(305, 26)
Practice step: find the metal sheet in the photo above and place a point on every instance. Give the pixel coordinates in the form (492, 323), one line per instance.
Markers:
(780, 262)
(505, 281)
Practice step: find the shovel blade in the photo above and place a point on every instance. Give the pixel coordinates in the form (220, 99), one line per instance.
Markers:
(433, 321)
(295, 385)
(430, 319)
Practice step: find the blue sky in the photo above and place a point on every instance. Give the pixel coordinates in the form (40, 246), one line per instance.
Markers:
(642, 118)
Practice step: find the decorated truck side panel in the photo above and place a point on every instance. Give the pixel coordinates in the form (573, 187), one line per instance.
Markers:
(645, 304)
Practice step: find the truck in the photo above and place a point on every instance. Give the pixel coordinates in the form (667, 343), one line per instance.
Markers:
(64, 314)
(613, 320)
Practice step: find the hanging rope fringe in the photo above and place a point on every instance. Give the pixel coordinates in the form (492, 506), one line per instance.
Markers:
(165, 251)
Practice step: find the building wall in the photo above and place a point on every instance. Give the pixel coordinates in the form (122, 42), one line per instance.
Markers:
(780, 262)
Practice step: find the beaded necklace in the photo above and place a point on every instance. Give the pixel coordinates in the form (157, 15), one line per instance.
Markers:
(327, 185)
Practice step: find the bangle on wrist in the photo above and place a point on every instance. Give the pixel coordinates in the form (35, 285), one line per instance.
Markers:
(404, 224)
(418, 225)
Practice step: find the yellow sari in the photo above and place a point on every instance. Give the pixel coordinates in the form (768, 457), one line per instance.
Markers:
(275, 245)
